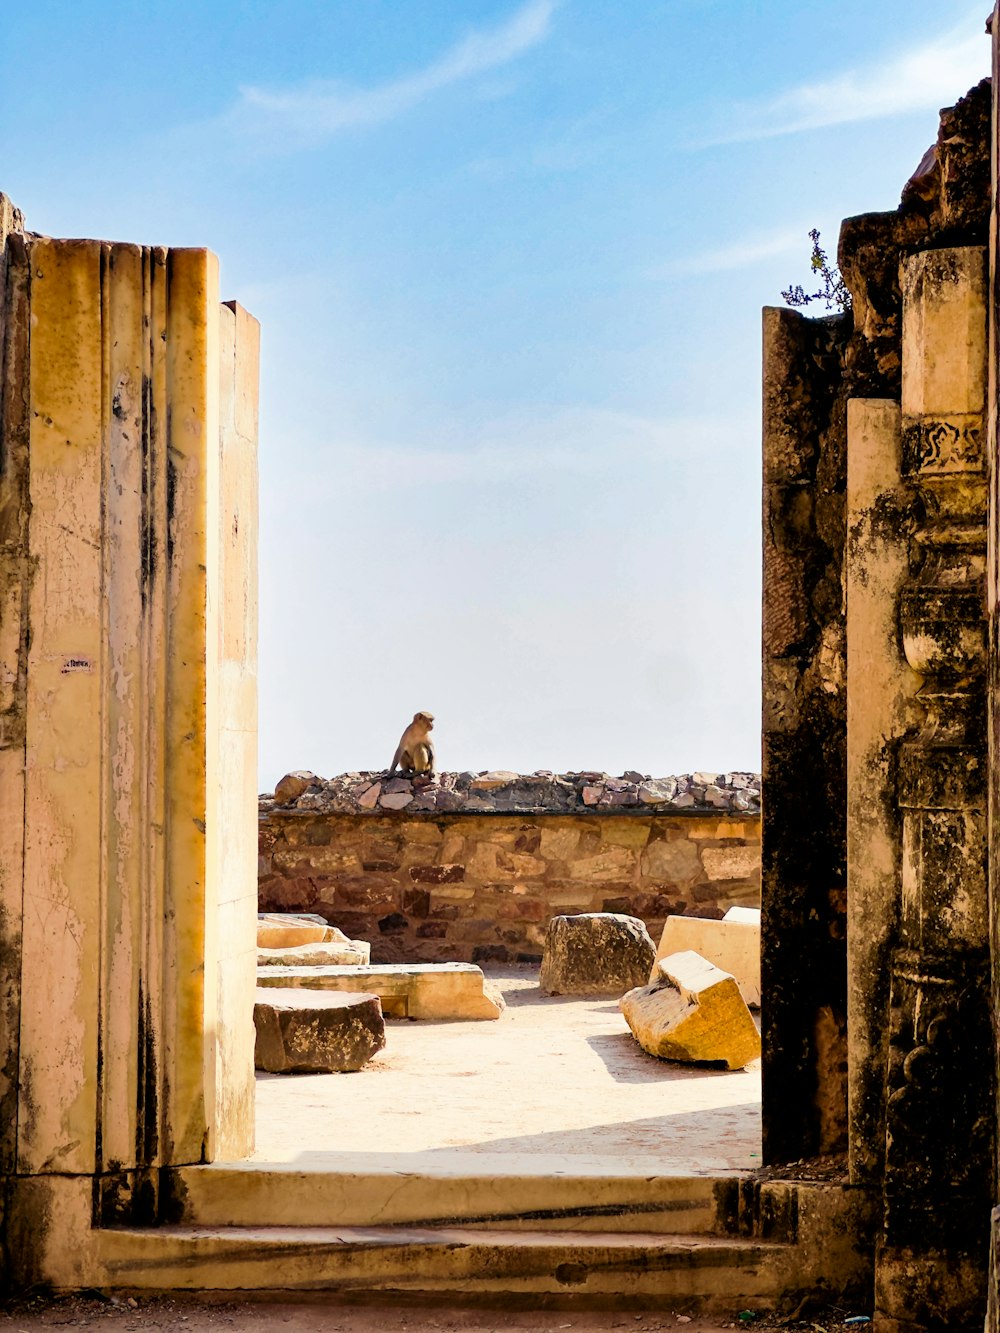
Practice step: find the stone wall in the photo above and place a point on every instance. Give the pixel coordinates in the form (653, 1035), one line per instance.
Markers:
(477, 877)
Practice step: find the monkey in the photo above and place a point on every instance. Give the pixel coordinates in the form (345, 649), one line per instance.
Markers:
(415, 751)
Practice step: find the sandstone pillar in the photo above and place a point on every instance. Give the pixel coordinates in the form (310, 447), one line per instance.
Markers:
(233, 847)
(880, 710)
(128, 711)
(938, 1098)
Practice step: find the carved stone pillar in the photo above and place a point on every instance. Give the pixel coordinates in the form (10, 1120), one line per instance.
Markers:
(939, 1110)
(881, 711)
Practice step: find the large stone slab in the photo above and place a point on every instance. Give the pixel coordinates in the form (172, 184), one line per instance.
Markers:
(349, 953)
(694, 1012)
(406, 990)
(291, 930)
(595, 953)
(315, 1033)
(732, 944)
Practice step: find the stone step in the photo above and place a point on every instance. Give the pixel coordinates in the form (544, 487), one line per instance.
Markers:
(407, 990)
(463, 1263)
(491, 1191)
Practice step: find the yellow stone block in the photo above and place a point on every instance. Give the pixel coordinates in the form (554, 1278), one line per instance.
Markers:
(282, 930)
(701, 830)
(733, 945)
(625, 832)
(695, 1013)
(731, 862)
(417, 990)
(558, 843)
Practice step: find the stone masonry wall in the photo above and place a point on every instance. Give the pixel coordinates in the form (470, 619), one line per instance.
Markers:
(479, 881)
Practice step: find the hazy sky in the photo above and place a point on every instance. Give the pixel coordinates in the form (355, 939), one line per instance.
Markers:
(509, 259)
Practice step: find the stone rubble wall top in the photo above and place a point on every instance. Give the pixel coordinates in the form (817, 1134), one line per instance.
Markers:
(499, 792)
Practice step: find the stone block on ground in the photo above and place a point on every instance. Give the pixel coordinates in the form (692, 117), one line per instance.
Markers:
(406, 990)
(317, 955)
(595, 953)
(288, 930)
(732, 944)
(310, 1032)
(694, 1012)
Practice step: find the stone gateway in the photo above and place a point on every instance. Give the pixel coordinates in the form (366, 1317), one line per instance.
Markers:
(128, 951)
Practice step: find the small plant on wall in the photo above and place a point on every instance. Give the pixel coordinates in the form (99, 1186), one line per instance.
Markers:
(832, 291)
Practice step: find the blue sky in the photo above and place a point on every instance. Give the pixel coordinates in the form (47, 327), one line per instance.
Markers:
(509, 259)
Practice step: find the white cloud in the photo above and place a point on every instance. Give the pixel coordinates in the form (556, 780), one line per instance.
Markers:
(924, 77)
(307, 115)
(739, 255)
(580, 440)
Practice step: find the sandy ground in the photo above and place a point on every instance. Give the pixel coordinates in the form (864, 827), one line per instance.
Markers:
(185, 1317)
(552, 1076)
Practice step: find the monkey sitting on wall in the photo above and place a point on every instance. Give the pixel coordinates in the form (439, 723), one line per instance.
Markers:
(415, 751)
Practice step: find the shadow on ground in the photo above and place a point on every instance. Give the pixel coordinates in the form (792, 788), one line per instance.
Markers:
(618, 1050)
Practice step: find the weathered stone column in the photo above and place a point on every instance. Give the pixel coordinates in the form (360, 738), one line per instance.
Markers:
(127, 755)
(880, 710)
(803, 820)
(993, 607)
(939, 1095)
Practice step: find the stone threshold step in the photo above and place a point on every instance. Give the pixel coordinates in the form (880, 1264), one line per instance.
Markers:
(409, 1261)
(482, 1194)
(407, 990)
